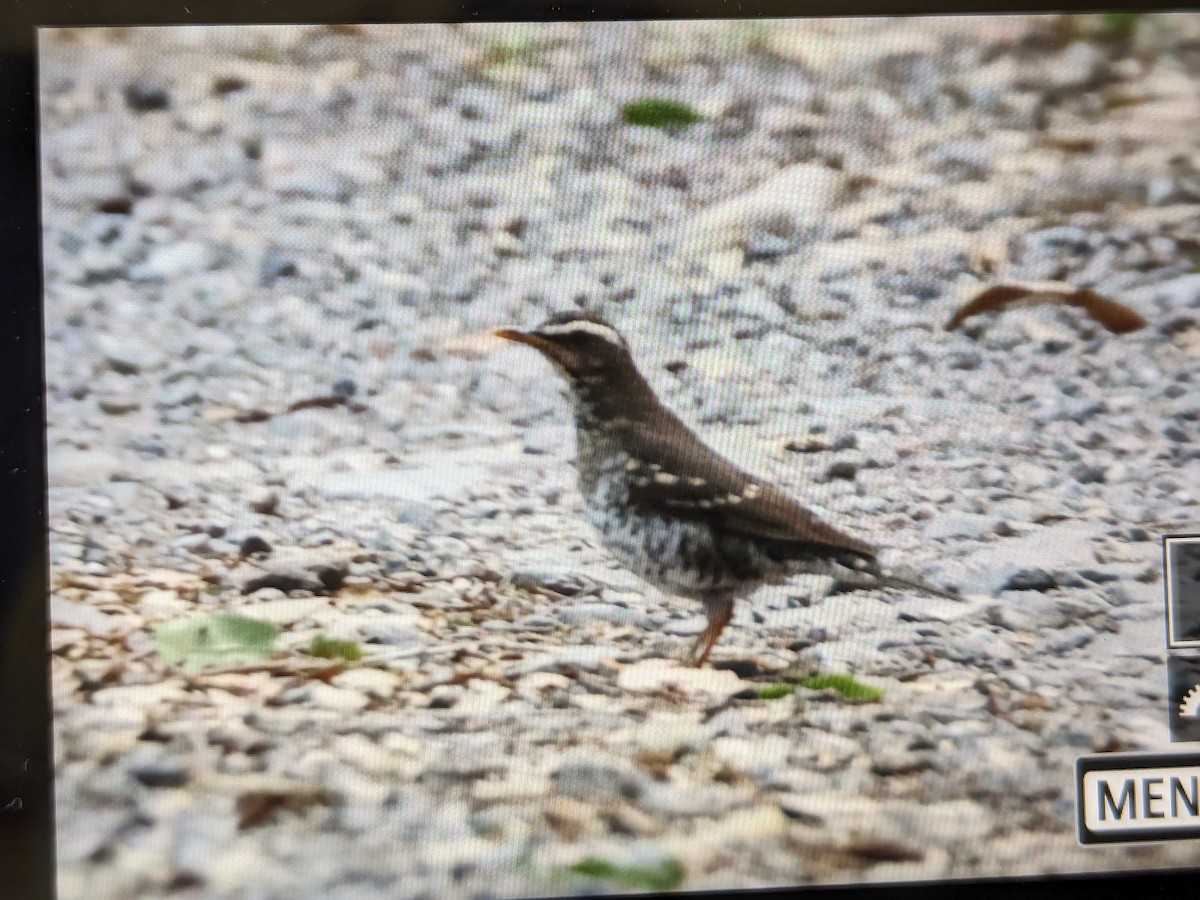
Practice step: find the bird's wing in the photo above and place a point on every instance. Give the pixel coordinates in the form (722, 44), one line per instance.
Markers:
(678, 471)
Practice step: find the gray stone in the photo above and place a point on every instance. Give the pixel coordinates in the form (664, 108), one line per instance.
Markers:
(144, 97)
(563, 582)
(74, 614)
(119, 404)
(1029, 579)
(181, 393)
(396, 630)
(156, 768)
(768, 248)
(595, 781)
(1179, 293)
(129, 355)
(175, 260)
(298, 569)
(585, 613)
(275, 264)
(1069, 639)
(264, 501)
(537, 623)
(980, 647)
(956, 525)
(1089, 473)
(842, 469)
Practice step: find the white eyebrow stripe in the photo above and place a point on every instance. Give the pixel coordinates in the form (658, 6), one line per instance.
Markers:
(594, 328)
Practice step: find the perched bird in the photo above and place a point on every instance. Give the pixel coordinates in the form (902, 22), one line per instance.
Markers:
(669, 507)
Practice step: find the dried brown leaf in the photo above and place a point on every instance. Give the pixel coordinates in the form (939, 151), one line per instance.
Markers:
(255, 808)
(1114, 316)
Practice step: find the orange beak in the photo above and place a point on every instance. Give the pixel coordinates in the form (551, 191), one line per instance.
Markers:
(524, 337)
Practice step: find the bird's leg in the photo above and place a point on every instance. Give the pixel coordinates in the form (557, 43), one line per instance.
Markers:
(718, 617)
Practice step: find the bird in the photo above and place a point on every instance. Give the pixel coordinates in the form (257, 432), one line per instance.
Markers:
(670, 508)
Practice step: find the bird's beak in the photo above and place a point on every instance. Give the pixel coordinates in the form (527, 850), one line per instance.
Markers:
(524, 337)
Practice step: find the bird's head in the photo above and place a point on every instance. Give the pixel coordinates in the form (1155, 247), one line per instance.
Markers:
(582, 346)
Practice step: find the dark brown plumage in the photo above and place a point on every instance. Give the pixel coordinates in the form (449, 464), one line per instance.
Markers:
(673, 510)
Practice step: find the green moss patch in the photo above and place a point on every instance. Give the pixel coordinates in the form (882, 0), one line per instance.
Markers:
(844, 685)
(776, 691)
(330, 648)
(664, 876)
(659, 114)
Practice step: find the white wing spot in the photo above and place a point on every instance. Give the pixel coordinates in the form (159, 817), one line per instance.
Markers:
(632, 465)
(696, 482)
(733, 499)
(751, 491)
(704, 504)
(666, 478)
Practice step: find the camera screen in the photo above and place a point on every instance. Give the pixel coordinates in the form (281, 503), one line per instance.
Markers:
(521, 460)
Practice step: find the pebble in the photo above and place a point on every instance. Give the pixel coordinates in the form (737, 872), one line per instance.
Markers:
(324, 696)
(265, 502)
(141, 97)
(1030, 579)
(585, 613)
(955, 525)
(155, 768)
(592, 781)
(298, 569)
(175, 260)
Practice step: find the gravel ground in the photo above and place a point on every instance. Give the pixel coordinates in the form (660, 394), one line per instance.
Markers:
(237, 221)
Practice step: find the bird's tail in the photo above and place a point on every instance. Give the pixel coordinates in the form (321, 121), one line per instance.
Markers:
(891, 579)
(864, 572)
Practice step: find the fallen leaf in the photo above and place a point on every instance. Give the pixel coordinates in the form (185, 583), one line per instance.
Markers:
(324, 401)
(1114, 316)
(255, 808)
(217, 640)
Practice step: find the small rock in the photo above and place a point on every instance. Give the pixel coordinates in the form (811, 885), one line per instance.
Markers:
(1029, 579)
(1069, 639)
(163, 604)
(595, 781)
(394, 630)
(325, 696)
(154, 768)
(128, 355)
(66, 613)
(119, 405)
(252, 545)
(562, 582)
(653, 675)
(299, 569)
(956, 525)
(979, 647)
(183, 393)
(264, 501)
(766, 247)
(275, 264)
(842, 469)
(585, 613)
(142, 97)
(537, 623)
(373, 682)
(174, 260)
(287, 611)
(1089, 473)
